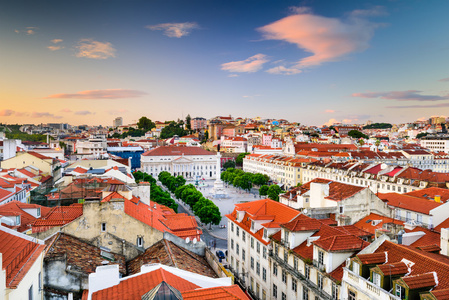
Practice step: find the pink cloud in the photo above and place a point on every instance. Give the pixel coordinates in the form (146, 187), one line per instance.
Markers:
(410, 95)
(331, 122)
(330, 111)
(44, 114)
(249, 65)
(328, 39)
(84, 112)
(94, 49)
(6, 112)
(100, 94)
(66, 110)
(176, 30)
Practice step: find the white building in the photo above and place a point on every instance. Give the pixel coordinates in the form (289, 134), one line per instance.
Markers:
(189, 162)
(117, 122)
(21, 261)
(95, 146)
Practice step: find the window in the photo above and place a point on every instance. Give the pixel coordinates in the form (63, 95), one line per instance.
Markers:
(286, 256)
(237, 248)
(295, 263)
(320, 281)
(334, 291)
(376, 279)
(238, 231)
(39, 280)
(243, 235)
(355, 268)
(17, 220)
(265, 233)
(252, 225)
(103, 227)
(275, 269)
(232, 227)
(400, 291)
(408, 216)
(276, 250)
(264, 274)
(30, 293)
(243, 254)
(264, 252)
(294, 285)
(232, 244)
(275, 291)
(419, 218)
(398, 213)
(252, 262)
(264, 295)
(139, 241)
(257, 290)
(284, 296)
(341, 209)
(284, 276)
(252, 242)
(258, 268)
(352, 295)
(305, 293)
(307, 271)
(258, 247)
(320, 257)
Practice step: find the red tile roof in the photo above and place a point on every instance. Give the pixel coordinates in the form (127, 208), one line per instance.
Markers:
(373, 258)
(177, 151)
(431, 193)
(399, 268)
(408, 202)
(421, 280)
(370, 224)
(18, 255)
(38, 155)
(135, 287)
(17, 208)
(58, 216)
(341, 243)
(223, 293)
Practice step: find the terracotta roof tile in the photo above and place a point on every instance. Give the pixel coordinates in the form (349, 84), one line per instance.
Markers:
(408, 202)
(341, 243)
(421, 280)
(399, 268)
(223, 292)
(373, 258)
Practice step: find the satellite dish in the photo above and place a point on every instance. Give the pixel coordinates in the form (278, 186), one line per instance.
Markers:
(187, 240)
(305, 211)
(194, 240)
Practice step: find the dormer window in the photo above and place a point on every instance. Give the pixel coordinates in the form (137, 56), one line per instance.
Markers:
(17, 220)
(252, 225)
(399, 291)
(265, 233)
(376, 279)
(38, 213)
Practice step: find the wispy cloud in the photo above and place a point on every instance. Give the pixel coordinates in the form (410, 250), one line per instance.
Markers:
(44, 114)
(330, 111)
(410, 95)
(84, 112)
(66, 110)
(328, 39)
(6, 112)
(176, 30)
(27, 30)
(94, 49)
(56, 41)
(233, 75)
(251, 96)
(421, 106)
(54, 47)
(444, 80)
(249, 65)
(117, 111)
(100, 94)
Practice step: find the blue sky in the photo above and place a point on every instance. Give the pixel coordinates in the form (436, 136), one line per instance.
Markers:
(313, 62)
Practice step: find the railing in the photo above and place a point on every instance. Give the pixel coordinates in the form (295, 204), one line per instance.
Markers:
(367, 287)
(319, 266)
(307, 282)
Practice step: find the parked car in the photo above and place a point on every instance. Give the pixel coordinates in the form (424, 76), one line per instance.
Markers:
(220, 254)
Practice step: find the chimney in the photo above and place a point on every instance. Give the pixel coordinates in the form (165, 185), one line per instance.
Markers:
(437, 198)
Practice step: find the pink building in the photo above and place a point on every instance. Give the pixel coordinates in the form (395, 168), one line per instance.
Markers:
(266, 139)
(198, 123)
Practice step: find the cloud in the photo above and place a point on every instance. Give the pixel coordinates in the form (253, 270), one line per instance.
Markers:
(421, 106)
(328, 39)
(444, 80)
(84, 112)
(66, 110)
(331, 122)
(283, 70)
(330, 111)
(21, 114)
(233, 75)
(251, 96)
(94, 49)
(177, 30)
(55, 41)
(54, 48)
(6, 112)
(44, 114)
(249, 65)
(410, 95)
(117, 111)
(27, 30)
(100, 94)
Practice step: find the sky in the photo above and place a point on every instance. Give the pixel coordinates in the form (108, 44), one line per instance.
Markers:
(314, 62)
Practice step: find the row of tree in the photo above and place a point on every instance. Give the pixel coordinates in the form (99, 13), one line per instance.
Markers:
(157, 194)
(243, 180)
(271, 191)
(205, 209)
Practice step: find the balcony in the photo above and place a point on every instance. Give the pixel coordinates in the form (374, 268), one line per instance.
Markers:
(319, 266)
(366, 287)
(298, 275)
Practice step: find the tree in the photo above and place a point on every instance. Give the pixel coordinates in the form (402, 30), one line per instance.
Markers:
(239, 159)
(263, 190)
(273, 192)
(229, 164)
(145, 124)
(259, 179)
(209, 214)
(420, 135)
(188, 125)
(357, 134)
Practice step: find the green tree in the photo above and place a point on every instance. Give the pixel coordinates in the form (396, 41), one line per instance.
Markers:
(188, 125)
(420, 135)
(209, 214)
(145, 124)
(259, 179)
(273, 192)
(239, 159)
(229, 164)
(357, 134)
(263, 190)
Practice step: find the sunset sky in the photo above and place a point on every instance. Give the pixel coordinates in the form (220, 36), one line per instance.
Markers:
(87, 62)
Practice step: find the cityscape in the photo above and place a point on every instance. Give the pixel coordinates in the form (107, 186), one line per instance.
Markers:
(247, 149)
